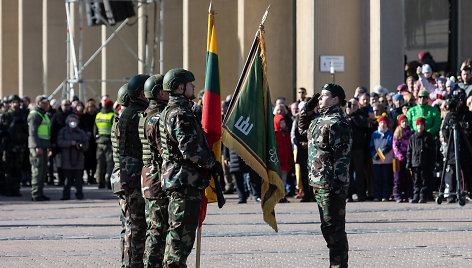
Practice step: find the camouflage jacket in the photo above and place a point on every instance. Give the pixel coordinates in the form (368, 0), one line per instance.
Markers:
(185, 151)
(130, 147)
(329, 145)
(151, 174)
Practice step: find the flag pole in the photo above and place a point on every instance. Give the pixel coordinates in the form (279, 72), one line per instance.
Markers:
(199, 227)
(248, 60)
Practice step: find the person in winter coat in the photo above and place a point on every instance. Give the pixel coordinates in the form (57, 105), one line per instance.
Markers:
(58, 121)
(420, 156)
(382, 155)
(284, 146)
(402, 183)
(72, 142)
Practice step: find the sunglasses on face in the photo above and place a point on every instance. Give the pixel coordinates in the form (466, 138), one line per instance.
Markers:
(421, 97)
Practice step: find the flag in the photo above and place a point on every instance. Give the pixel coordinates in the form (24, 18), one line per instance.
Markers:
(396, 165)
(211, 113)
(380, 154)
(248, 128)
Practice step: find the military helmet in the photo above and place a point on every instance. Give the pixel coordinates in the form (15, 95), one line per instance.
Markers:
(13, 97)
(174, 77)
(123, 98)
(153, 85)
(136, 85)
(5, 99)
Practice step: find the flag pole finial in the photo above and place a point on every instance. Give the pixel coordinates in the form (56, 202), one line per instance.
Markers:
(264, 18)
(210, 9)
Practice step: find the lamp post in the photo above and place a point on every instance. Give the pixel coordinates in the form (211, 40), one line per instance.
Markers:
(331, 70)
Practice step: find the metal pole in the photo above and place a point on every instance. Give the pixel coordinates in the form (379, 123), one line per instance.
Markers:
(198, 247)
(161, 37)
(74, 56)
(67, 86)
(103, 45)
(155, 39)
(146, 45)
(79, 75)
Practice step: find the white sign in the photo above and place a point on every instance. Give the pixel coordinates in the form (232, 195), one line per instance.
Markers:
(326, 61)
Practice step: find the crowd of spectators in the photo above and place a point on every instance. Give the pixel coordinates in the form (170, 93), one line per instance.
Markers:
(72, 149)
(398, 152)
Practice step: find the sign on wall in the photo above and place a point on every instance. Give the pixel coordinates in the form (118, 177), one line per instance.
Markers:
(326, 61)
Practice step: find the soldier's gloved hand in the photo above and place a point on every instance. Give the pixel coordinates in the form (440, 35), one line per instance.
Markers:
(376, 157)
(313, 102)
(217, 169)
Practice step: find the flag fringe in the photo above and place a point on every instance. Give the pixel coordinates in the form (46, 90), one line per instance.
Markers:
(269, 177)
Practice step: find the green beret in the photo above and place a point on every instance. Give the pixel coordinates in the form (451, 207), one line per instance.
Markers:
(336, 90)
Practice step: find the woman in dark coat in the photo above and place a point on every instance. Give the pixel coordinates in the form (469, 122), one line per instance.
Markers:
(72, 142)
(86, 123)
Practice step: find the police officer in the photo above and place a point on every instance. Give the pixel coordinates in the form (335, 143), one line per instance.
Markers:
(16, 128)
(102, 131)
(329, 142)
(131, 164)
(38, 144)
(156, 199)
(186, 157)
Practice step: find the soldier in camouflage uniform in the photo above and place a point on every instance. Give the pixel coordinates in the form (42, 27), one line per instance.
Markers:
(186, 159)
(16, 128)
(329, 144)
(123, 101)
(156, 199)
(131, 164)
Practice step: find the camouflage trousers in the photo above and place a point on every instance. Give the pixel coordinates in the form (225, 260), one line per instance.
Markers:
(332, 208)
(13, 171)
(184, 209)
(157, 219)
(104, 163)
(133, 232)
(39, 164)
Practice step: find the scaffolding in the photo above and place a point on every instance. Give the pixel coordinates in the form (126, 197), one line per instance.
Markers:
(74, 58)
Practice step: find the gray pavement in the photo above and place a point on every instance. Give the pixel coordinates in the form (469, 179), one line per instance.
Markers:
(85, 233)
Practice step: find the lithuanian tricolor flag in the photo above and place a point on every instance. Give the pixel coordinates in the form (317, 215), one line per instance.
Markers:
(211, 114)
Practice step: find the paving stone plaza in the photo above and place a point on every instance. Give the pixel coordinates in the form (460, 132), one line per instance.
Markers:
(381, 234)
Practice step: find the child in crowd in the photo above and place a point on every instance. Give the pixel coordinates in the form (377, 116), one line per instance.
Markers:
(402, 184)
(420, 159)
(284, 146)
(382, 155)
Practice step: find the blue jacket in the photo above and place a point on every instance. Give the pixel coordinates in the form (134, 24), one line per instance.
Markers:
(384, 142)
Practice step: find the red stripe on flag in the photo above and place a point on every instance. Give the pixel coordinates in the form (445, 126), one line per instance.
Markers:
(211, 117)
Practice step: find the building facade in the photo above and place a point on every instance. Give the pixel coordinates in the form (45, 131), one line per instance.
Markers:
(367, 41)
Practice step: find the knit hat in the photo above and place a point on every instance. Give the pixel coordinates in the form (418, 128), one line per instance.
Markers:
(398, 96)
(335, 89)
(408, 78)
(423, 92)
(402, 87)
(109, 103)
(401, 117)
(442, 79)
(450, 83)
(72, 116)
(383, 117)
(426, 69)
(421, 120)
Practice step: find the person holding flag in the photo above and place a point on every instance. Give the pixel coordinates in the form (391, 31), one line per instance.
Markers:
(329, 145)
(186, 160)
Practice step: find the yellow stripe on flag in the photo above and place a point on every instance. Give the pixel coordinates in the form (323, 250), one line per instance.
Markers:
(211, 42)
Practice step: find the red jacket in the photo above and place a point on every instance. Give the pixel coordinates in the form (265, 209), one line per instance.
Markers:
(284, 145)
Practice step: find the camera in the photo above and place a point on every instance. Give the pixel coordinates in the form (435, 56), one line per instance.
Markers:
(454, 100)
(80, 146)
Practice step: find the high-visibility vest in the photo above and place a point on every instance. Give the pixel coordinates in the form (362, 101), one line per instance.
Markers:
(104, 123)
(44, 131)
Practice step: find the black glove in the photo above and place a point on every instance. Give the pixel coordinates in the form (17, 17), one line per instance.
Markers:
(313, 102)
(217, 169)
(376, 157)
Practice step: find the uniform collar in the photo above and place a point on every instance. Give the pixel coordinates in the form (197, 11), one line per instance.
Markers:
(330, 109)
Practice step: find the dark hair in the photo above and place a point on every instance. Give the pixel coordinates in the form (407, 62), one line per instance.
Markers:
(466, 68)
